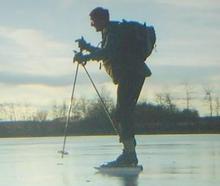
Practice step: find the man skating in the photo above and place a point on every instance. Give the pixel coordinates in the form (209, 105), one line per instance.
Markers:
(127, 69)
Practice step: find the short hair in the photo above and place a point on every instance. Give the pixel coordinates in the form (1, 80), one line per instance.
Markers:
(100, 13)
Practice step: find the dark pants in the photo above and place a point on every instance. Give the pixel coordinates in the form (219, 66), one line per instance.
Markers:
(129, 88)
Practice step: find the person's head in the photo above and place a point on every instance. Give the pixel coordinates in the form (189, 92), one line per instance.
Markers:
(99, 18)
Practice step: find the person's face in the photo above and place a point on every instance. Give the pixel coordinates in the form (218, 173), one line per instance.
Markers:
(98, 24)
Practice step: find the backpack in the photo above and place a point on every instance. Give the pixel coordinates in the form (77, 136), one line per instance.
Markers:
(137, 39)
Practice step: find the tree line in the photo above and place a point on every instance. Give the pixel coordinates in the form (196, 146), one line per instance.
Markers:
(26, 112)
(88, 118)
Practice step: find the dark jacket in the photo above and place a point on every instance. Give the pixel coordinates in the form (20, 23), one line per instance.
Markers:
(117, 63)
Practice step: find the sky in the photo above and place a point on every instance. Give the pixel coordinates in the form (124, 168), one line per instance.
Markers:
(37, 39)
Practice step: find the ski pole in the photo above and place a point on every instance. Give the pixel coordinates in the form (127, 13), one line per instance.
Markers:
(69, 111)
(103, 103)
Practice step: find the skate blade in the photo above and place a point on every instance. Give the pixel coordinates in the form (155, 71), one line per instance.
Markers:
(120, 170)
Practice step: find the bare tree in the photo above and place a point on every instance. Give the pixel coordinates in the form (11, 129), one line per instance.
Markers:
(169, 101)
(55, 111)
(80, 109)
(26, 111)
(40, 116)
(10, 112)
(63, 110)
(217, 106)
(159, 99)
(106, 97)
(208, 97)
(2, 111)
(166, 100)
(59, 110)
(188, 94)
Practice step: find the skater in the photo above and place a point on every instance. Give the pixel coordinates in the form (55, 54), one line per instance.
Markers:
(127, 70)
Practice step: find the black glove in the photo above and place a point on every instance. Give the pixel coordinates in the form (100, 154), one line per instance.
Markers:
(80, 58)
(82, 44)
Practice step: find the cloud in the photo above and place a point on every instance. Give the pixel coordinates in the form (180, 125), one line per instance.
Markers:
(18, 79)
(173, 74)
(191, 3)
(33, 58)
(27, 50)
(32, 41)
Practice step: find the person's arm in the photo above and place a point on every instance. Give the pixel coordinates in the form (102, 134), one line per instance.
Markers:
(108, 50)
(91, 48)
(83, 45)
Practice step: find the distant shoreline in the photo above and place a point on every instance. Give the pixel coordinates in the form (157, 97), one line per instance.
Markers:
(8, 129)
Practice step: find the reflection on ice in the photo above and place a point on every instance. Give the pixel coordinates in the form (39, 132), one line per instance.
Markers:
(120, 171)
(124, 179)
(168, 160)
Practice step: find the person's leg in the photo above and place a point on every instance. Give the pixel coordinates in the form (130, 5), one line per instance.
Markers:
(127, 95)
(128, 92)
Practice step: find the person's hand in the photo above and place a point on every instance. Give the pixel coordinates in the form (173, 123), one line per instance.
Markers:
(82, 44)
(80, 58)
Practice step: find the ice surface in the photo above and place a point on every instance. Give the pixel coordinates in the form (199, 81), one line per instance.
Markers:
(168, 160)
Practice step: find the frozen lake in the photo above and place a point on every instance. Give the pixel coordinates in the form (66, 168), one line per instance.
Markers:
(168, 160)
